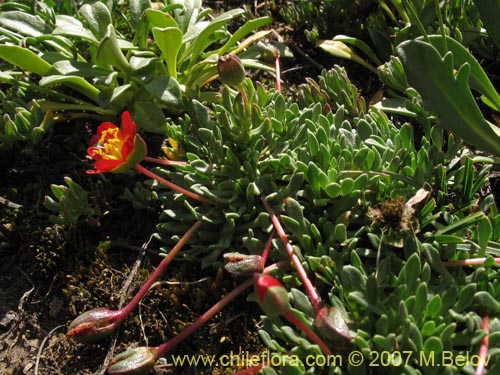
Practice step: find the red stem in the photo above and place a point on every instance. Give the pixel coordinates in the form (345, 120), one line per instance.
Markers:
(278, 72)
(313, 294)
(309, 333)
(165, 161)
(483, 350)
(468, 262)
(171, 185)
(250, 370)
(166, 346)
(158, 271)
(267, 248)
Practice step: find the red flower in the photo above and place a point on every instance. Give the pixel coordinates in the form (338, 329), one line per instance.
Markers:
(116, 150)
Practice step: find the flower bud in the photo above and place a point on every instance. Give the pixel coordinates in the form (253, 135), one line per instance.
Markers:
(273, 297)
(94, 325)
(231, 70)
(134, 361)
(332, 324)
(242, 264)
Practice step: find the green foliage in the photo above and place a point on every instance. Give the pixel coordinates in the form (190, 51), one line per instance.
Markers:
(429, 63)
(22, 122)
(70, 202)
(376, 207)
(448, 93)
(372, 212)
(162, 56)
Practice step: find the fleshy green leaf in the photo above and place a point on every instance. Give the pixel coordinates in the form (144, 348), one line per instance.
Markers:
(167, 89)
(109, 51)
(98, 17)
(169, 40)
(76, 83)
(70, 26)
(486, 299)
(137, 8)
(149, 117)
(25, 59)
(160, 19)
(24, 23)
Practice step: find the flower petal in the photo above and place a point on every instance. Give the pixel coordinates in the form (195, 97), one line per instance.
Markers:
(128, 126)
(107, 165)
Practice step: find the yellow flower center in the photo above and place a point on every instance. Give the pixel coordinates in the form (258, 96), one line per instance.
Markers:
(110, 145)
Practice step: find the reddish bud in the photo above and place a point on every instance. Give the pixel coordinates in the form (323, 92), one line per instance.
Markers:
(231, 70)
(273, 297)
(134, 361)
(242, 264)
(94, 325)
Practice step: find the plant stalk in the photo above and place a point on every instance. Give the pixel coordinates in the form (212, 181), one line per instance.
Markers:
(165, 161)
(483, 350)
(166, 346)
(171, 185)
(159, 270)
(309, 333)
(468, 262)
(311, 291)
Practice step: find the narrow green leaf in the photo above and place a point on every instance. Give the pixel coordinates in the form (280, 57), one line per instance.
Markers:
(206, 37)
(340, 49)
(484, 231)
(362, 46)
(242, 31)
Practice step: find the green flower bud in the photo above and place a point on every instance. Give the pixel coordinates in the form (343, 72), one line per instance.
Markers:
(134, 361)
(273, 297)
(94, 325)
(231, 70)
